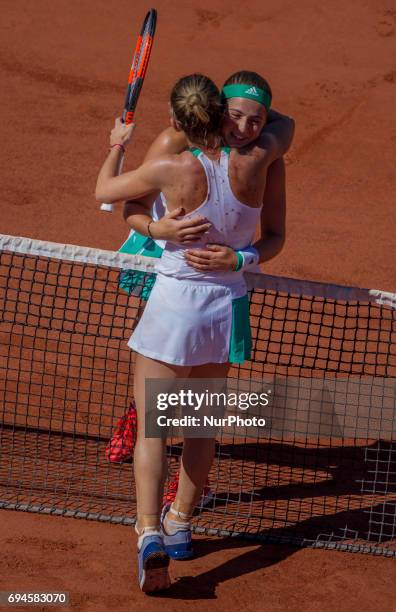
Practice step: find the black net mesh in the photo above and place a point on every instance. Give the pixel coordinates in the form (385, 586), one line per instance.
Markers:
(323, 475)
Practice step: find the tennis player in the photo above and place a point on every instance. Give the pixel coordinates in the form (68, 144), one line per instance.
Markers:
(206, 311)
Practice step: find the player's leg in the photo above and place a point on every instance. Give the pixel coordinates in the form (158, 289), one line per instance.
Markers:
(198, 453)
(150, 471)
(149, 456)
(197, 458)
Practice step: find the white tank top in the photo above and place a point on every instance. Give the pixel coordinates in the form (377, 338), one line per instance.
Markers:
(233, 224)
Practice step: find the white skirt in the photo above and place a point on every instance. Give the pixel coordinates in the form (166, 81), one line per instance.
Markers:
(187, 322)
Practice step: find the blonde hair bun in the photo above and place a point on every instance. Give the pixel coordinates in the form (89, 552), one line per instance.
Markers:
(197, 108)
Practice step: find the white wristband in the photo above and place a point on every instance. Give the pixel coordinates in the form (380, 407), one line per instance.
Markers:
(250, 257)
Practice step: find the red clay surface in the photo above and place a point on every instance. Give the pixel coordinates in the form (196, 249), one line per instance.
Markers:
(63, 67)
(96, 564)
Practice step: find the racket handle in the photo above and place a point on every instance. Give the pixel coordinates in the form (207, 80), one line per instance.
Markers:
(107, 207)
(110, 207)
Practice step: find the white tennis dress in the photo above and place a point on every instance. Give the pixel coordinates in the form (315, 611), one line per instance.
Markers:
(192, 317)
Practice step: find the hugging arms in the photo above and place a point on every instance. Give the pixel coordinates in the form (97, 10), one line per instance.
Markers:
(271, 232)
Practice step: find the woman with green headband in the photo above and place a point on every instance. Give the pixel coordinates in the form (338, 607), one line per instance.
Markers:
(196, 321)
(248, 100)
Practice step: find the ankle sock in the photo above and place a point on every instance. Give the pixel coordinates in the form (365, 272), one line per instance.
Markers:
(145, 531)
(172, 526)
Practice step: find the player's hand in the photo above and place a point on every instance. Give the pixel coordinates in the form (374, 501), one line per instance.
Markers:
(215, 258)
(121, 133)
(180, 231)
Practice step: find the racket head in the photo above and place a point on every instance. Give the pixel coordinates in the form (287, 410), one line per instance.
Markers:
(137, 73)
(139, 65)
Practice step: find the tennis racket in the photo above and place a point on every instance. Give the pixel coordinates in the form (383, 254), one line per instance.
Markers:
(137, 73)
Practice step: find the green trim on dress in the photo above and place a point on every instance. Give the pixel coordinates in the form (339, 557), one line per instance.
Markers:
(195, 151)
(241, 337)
(136, 282)
(137, 244)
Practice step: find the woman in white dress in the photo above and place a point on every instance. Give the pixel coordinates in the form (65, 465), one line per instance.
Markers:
(196, 320)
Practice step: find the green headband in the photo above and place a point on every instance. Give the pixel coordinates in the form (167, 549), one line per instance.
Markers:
(247, 91)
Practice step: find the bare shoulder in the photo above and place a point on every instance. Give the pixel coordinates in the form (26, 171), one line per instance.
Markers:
(174, 138)
(168, 161)
(189, 163)
(178, 160)
(170, 167)
(169, 141)
(255, 154)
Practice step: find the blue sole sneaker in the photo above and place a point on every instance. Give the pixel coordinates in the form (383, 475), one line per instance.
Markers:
(177, 545)
(153, 563)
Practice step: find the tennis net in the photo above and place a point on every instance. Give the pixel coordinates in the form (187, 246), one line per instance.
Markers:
(324, 472)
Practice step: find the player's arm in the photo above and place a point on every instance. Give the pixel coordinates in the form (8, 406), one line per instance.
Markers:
(273, 213)
(276, 136)
(148, 178)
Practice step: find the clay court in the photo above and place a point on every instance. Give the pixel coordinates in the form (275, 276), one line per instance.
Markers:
(331, 68)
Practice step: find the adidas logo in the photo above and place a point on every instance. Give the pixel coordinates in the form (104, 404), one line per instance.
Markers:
(252, 91)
